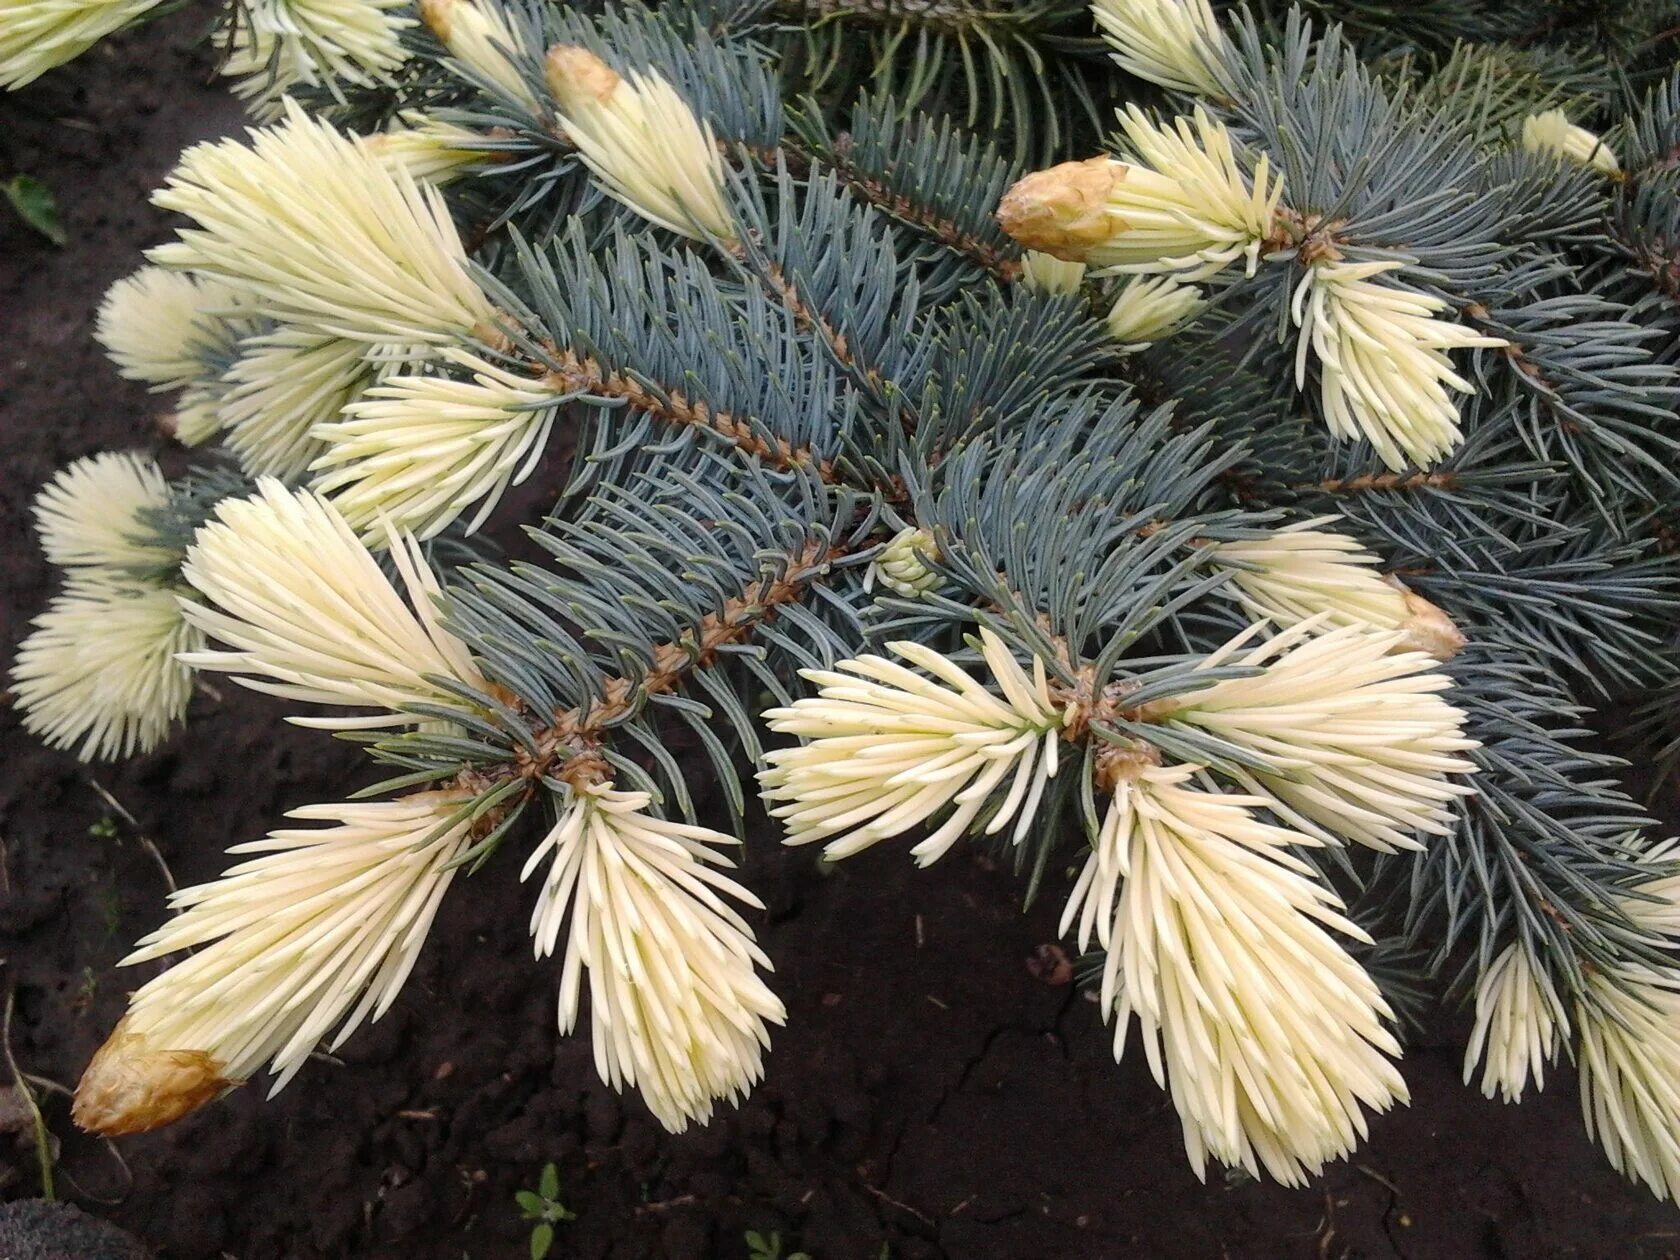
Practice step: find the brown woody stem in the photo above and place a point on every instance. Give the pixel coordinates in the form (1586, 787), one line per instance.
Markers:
(1382, 481)
(866, 188)
(569, 744)
(578, 374)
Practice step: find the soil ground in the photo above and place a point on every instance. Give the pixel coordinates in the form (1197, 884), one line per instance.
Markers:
(930, 1096)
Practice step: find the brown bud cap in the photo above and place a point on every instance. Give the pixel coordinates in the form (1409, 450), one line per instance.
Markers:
(437, 15)
(576, 74)
(1063, 211)
(1427, 628)
(130, 1088)
(1116, 765)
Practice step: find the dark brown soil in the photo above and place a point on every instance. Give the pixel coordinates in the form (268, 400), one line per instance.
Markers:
(930, 1096)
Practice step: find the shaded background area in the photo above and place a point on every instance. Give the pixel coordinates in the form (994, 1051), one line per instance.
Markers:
(934, 1092)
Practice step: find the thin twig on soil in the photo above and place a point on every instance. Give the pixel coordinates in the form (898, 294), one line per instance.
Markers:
(1328, 1237)
(1377, 1177)
(43, 1148)
(139, 835)
(882, 1195)
(55, 1087)
(663, 1205)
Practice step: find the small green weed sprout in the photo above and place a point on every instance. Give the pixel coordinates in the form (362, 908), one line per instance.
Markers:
(543, 1207)
(760, 1247)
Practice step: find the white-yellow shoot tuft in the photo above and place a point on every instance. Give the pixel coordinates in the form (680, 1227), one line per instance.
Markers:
(313, 229)
(1629, 1057)
(478, 37)
(279, 388)
(1270, 1036)
(642, 141)
(99, 673)
(1360, 744)
(1151, 308)
(307, 614)
(1045, 273)
(1628, 1018)
(273, 46)
(1551, 132)
(431, 150)
(318, 931)
(888, 748)
(1183, 207)
(1300, 571)
(1384, 369)
(902, 565)
(36, 35)
(90, 515)
(162, 327)
(677, 1008)
(1175, 43)
(420, 450)
(1520, 1022)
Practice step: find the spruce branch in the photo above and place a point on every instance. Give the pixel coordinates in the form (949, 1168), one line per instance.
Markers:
(949, 17)
(1303, 637)
(1019, 70)
(920, 172)
(566, 745)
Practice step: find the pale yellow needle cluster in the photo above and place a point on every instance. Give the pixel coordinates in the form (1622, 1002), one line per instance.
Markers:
(320, 263)
(677, 1007)
(282, 386)
(1183, 206)
(888, 748)
(98, 672)
(1384, 369)
(273, 46)
(306, 613)
(1520, 1022)
(36, 35)
(162, 327)
(344, 269)
(314, 230)
(1359, 742)
(1219, 937)
(262, 388)
(320, 930)
(902, 565)
(90, 516)
(1552, 133)
(1299, 571)
(479, 38)
(416, 448)
(1629, 1053)
(1045, 273)
(1151, 308)
(1630, 1074)
(642, 141)
(431, 150)
(1270, 1036)
(1175, 43)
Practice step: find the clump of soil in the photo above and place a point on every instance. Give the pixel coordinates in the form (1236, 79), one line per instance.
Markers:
(939, 1091)
(36, 1229)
